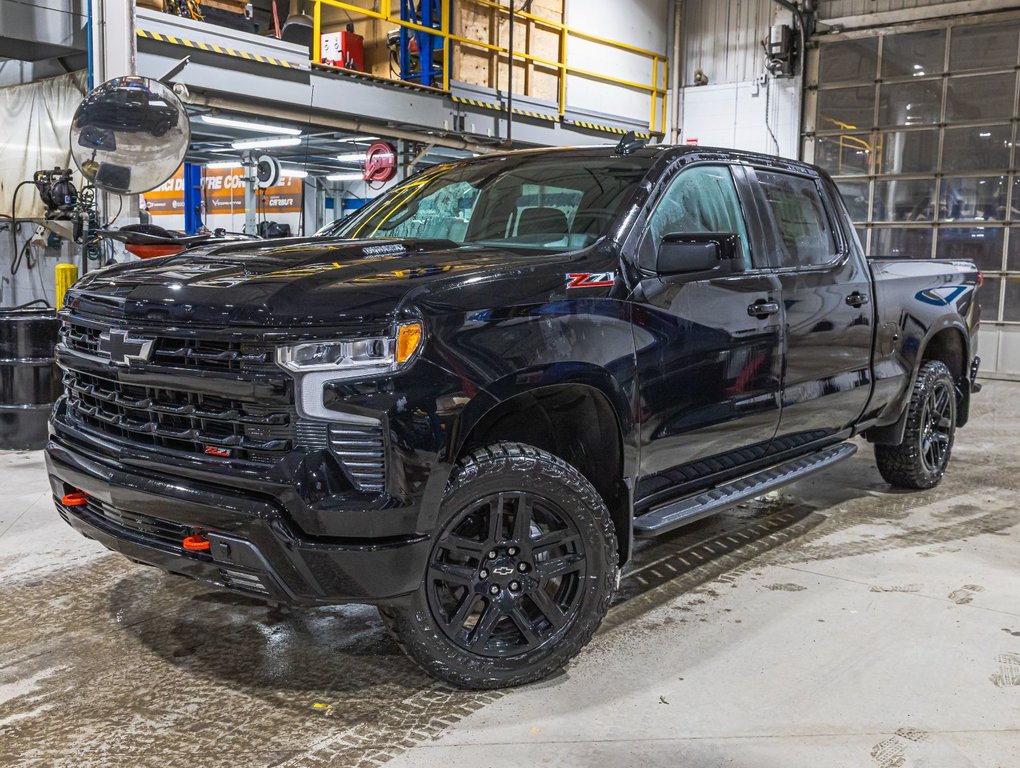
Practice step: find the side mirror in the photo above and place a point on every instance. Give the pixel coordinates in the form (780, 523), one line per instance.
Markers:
(707, 254)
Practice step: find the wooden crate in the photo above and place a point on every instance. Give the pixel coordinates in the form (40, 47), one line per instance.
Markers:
(478, 66)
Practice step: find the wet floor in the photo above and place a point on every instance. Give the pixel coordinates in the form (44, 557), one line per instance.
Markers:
(837, 623)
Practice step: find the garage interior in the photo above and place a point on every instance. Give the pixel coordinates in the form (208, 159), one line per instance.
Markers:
(837, 621)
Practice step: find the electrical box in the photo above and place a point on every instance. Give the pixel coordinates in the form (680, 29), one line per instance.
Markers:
(344, 49)
(779, 50)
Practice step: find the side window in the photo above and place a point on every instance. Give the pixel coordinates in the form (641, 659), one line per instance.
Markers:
(800, 219)
(702, 198)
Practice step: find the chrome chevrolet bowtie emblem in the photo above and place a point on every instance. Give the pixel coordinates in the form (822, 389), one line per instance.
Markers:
(503, 570)
(122, 349)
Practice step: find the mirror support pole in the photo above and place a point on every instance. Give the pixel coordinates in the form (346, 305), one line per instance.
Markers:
(250, 186)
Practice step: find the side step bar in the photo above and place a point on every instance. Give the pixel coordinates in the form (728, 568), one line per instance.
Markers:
(691, 508)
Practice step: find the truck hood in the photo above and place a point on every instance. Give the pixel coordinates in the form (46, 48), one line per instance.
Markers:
(317, 282)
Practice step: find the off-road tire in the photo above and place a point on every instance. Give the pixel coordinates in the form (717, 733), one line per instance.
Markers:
(513, 468)
(905, 465)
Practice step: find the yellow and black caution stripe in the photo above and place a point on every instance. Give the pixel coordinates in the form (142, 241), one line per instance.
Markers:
(502, 108)
(606, 128)
(213, 48)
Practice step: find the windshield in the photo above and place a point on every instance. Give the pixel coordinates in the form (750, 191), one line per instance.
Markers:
(527, 202)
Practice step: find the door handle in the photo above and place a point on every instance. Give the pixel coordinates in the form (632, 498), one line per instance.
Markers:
(857, 299)
(763, 308)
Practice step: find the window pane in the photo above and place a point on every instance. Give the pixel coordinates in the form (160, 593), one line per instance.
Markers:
(855, 195)
(702, 198)
(988, 297)
(901, 243)
(980, 97)
(848, 61)
(977, 149)
(800, 217)
(917, 54)
(910, 103)
(862, 235)
(981, 244)
(989, 46)
(1011, 302)
(908, 151)
(903, 200)
(1013, 252)
(977, 199)
(846, 108)
(848, 154)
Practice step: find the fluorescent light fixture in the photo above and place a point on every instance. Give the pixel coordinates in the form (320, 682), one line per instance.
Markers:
(359, 140)
(272, 141)
(244, 125)
(985, 134)
(225, 164)
(351, 157)
(345, 177)
(294, 173)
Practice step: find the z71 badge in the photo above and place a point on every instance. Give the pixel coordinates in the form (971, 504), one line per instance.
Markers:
(590, 279)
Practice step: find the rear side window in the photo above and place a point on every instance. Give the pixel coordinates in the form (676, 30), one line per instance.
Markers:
(800, 218)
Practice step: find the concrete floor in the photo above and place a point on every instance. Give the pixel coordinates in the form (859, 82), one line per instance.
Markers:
(837, 624)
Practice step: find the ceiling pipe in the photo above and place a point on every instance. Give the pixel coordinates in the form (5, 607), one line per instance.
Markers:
(343, 124)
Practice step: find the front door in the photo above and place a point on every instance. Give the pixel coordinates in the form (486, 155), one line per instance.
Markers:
(826, 291)
(708, 351)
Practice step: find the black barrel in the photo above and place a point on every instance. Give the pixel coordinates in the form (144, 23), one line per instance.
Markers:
(29, 378)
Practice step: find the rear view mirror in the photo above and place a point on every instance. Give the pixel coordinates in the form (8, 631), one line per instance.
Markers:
(710, 254)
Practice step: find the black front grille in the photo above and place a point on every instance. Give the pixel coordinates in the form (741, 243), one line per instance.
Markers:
(176, 420)
(162, 531)
(179, 352)
(362, 451)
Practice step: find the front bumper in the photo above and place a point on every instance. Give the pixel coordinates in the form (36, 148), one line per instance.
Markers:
(145, 516)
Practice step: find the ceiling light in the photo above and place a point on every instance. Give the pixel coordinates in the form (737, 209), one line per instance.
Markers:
(985, 134)
(225, 164)
(294, 173)
(358, 140)
(345, 177)
(351, 157)
(289, 141)
(244, 125)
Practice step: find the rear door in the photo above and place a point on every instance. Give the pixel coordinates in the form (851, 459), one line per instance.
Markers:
(708, 368)
(829, 311)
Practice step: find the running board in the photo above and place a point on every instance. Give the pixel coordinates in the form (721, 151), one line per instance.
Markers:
(691, 508)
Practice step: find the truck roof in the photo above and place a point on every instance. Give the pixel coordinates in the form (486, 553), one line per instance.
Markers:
(664, 151)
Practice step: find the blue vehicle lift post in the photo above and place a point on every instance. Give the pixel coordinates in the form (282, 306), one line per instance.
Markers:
(426, 13)
(192, 198)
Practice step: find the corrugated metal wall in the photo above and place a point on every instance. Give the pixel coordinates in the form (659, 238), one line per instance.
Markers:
(723, 37)
(834, 9)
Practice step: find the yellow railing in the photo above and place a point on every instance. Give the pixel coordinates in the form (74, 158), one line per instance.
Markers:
(658, 93)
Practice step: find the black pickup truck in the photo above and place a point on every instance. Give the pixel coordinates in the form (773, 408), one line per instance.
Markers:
(463, 402)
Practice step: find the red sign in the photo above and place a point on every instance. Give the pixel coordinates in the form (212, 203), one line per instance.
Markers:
(692, 142)
(380, 162)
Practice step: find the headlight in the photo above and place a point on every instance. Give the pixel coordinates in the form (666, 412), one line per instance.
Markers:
(355, 357)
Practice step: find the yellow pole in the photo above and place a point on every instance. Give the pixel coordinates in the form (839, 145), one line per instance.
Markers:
(67, 275)
(317, 32)
(561, 60)
(444, 28)
(654, 94)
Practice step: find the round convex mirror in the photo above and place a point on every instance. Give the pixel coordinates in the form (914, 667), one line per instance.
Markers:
(130, 135)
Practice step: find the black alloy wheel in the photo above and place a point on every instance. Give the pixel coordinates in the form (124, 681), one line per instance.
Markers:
(937, 426)
(505, 575)
(920, 460)
(520, 575)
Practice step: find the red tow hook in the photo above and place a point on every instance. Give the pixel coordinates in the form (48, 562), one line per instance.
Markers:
(76, 499)
(196, 543)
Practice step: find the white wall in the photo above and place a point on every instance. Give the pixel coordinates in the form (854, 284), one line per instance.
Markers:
(641, 23)
(723, 39)
(734, 115)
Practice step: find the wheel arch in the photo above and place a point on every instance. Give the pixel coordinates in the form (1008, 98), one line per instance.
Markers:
(582, 418)
(949, 342)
